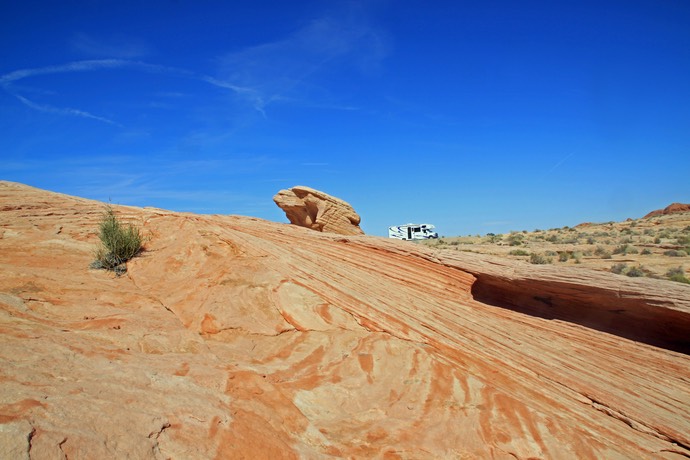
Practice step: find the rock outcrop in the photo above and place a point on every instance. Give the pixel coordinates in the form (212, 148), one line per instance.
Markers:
(319, 211)
(670, 209)
(233, 337)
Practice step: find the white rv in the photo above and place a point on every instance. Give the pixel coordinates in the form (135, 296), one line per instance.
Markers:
(412, 232)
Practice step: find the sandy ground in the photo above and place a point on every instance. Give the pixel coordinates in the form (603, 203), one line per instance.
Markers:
(654, 245)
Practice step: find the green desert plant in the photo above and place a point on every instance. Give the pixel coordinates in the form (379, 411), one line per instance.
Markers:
(635, 272)
(618, 269)
(677, 274)
(119, 243)
(493, 238)
(625, 249)
(675, 253)
(518, 252)
(538, 259)
(515, 239)
(563, 256)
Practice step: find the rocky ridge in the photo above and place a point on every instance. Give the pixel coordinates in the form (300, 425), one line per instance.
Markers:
(233, 337)
(670, 209)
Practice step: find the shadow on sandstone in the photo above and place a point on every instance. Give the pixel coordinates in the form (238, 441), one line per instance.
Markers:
(607, 311)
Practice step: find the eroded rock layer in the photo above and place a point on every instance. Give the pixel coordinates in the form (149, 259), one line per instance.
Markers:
(233, 337)
(318, 211)
(670, 209)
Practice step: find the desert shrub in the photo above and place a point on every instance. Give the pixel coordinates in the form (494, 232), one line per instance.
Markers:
(591, 240)
(118, 243)
(646, 252)
(626, 240)
(618, 269)
(493, 238)
(518, 252)
(683, 240)
(625, 249)
(599, 250)
(552, 238)
(657, 240)
(675, 253)
(603, 253)
(563, 256)
(538, 259)
(677, 274)
(620, 249)
(515, 239)
(648, 231)
(634, 272)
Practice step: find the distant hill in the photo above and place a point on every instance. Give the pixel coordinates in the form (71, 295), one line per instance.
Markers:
(670, 209)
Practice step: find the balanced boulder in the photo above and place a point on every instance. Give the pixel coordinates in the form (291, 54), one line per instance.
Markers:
(310, 208)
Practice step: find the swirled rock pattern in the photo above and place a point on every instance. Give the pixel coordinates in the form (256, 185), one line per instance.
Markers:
(318, 211)
(233, 337)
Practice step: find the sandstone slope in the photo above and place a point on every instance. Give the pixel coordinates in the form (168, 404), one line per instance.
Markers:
(233, 337)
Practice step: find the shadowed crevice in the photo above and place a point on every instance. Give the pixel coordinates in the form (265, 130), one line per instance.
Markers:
(596, 308)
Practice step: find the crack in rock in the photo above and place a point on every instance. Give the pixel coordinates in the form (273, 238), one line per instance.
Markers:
(60, 444)
(156, 433)
(29, 439)
(636, 425)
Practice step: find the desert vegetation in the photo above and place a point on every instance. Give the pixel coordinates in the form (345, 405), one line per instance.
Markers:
(657, 247)
(118, 243)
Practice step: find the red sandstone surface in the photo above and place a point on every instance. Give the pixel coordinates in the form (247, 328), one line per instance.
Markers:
(670, 209)
(234, 337)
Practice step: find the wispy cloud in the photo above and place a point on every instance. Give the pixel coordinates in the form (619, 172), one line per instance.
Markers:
(64, 111)
(282, 71)
(557, 165)
(78, 66)
(8, 80)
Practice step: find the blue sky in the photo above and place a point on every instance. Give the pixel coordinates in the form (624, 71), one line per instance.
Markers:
(474, 116)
